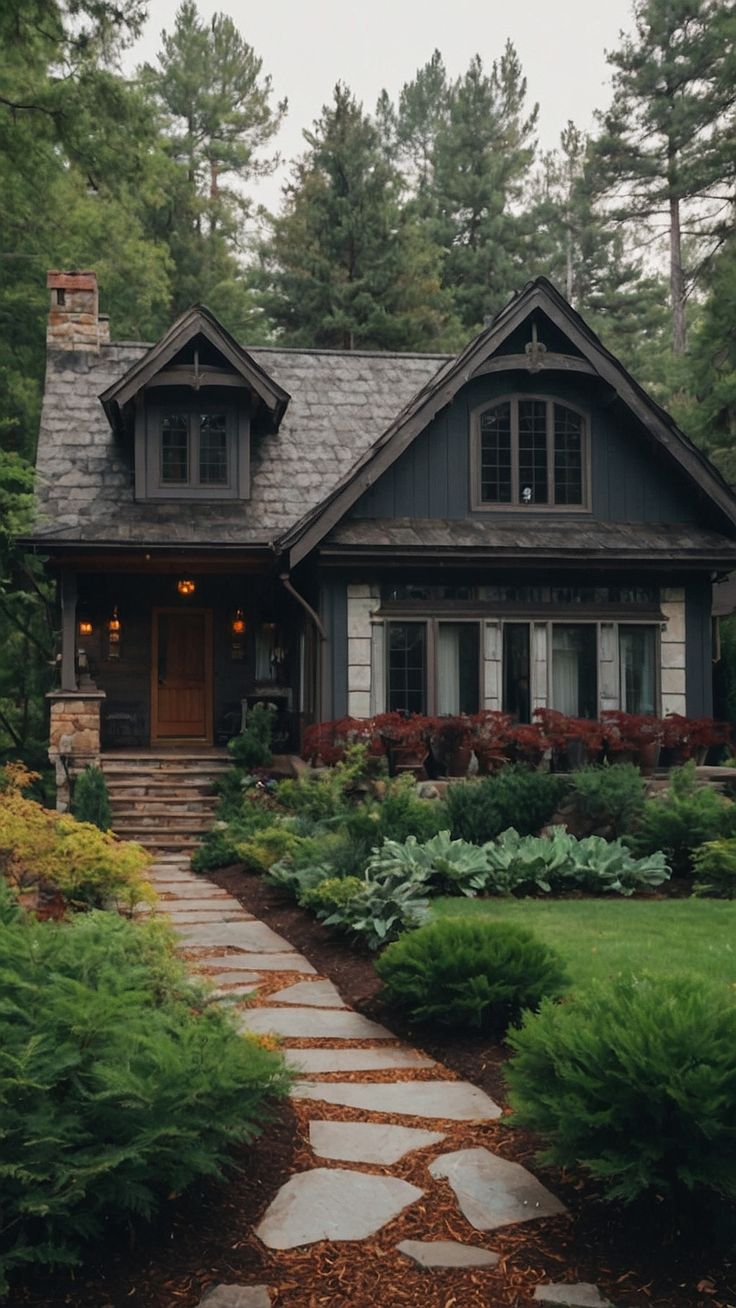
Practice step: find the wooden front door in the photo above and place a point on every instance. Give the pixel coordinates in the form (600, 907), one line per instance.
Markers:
(182, 675)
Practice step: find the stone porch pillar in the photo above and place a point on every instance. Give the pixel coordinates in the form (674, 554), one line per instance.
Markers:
(74, 740)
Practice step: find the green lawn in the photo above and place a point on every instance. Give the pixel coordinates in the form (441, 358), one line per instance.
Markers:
(604, 938)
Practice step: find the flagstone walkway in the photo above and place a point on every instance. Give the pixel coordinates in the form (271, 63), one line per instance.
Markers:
(275, 990)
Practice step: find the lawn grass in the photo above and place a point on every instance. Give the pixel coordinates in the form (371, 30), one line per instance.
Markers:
(600, 939)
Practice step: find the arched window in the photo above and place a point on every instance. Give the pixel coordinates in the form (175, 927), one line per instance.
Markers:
(530, 451)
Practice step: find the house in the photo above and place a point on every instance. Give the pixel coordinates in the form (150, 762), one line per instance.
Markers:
(346, 532)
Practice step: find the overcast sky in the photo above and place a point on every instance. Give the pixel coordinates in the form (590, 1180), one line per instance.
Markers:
(307, 45)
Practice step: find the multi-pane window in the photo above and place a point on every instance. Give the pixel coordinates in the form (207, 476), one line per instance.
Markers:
(195, 449)
(175, 449)
(407, 667)
(433, 667)
(637, 654)
(532, 452)
(495, 455)
(575, 669)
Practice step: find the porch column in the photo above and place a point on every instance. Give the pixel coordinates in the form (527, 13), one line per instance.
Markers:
(68, 631)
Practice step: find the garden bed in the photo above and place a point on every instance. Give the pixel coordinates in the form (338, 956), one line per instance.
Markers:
(629, 1253)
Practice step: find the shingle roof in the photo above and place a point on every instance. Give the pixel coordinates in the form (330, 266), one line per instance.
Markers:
(341, 403)
(575, 538)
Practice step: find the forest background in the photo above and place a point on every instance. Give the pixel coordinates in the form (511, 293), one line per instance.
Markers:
(405, 225)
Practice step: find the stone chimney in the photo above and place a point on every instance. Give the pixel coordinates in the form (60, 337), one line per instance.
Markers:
(74, 321)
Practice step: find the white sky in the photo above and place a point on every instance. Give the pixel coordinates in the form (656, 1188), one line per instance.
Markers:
(307, 45)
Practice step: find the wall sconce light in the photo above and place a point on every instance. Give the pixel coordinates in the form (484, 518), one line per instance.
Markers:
(85, 627)
(186, 587)
(114, 631)
(237, 629)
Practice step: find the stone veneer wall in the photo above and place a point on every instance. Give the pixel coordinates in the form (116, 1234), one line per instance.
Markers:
(366, 691)
(672, 652)
(74, 741)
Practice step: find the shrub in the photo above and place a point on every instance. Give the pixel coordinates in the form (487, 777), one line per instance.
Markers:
(397, 816)
(470, 975)
(516, 797)
(562, 862)
(331, 894)
(265, 847)
(610, 797)
(119, 1082)
(41, 850)
(252, 748)
(636, 1082)
(220, 845)
(91, 802)
(681, 818)
(715, 869)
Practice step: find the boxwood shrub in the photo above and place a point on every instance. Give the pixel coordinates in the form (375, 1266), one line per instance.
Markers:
(517, 797)
(470, 975)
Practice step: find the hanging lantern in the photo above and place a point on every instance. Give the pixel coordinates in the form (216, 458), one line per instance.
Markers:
(186, 586)
(114, 632)
(237, 630)
(85, 627)
(238, 623)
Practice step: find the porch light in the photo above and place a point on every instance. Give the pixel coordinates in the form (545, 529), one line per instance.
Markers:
(238, 623)
(114, 630)
(85, 627)
(186, 586)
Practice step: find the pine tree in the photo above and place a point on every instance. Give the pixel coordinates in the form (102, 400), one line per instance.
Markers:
(482, 154)
(422, 112)
(669, 139)
(345, 266)
(585, 254)
(708, 409)
(217, 113)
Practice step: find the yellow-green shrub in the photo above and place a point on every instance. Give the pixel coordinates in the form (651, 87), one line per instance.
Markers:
(266, 847)
(44, 850)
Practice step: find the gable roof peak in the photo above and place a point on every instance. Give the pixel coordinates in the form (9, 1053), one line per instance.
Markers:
(198, 320)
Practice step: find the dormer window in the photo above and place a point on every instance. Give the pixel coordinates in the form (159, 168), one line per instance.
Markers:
(532, 452)
(196, 449)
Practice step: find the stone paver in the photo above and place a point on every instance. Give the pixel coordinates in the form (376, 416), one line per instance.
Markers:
(236, 1296)
(493, 1191)
(354, 1060)
(187, 890)
(333, 1204)
(235, 994)
(263, 962)
(455, 1101)
(314, 1023)
(190, 916)
(368, 1142)
(580, 1295)
(232, 978)
(253, 936)
(316, 994)
(447, 1253)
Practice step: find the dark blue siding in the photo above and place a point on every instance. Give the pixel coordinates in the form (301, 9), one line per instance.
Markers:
(334, 613)
(698, 648)
(632, 480)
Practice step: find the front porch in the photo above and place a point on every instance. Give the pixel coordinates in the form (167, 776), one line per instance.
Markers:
(167, 656)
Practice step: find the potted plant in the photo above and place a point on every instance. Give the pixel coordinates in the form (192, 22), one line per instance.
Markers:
(616, 741)
(490, 733)
(528, 744)
(574, 741)
(451, 744)
(405, 740)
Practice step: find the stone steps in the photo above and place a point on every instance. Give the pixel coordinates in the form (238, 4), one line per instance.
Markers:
(164, 801)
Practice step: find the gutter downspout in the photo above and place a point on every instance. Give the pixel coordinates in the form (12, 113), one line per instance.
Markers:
(285, 579)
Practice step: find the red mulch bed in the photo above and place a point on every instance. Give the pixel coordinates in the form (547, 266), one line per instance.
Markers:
(636, 1256)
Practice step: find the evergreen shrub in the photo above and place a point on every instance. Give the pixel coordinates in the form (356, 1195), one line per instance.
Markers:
(43, 850)
(252, 747)
(470, 975)
(517, 797)
(681, 818)
(715, 869)
(119, 1082)
(91, 802)
(331, 894)
(610, 797)
(635, 1081)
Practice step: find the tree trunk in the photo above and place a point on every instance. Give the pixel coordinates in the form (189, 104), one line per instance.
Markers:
(677, 281)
